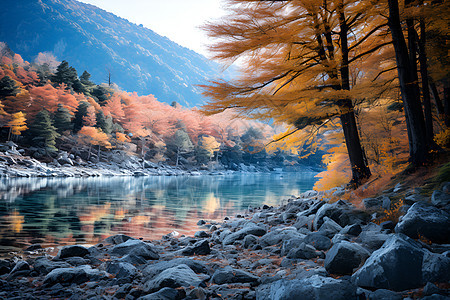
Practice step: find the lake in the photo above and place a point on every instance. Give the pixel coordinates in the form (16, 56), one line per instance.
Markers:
(55, 211)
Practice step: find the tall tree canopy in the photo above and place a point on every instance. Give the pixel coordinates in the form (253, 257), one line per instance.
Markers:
(301, 59)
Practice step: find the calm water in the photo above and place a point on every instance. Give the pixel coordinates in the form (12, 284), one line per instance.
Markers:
(54, 211)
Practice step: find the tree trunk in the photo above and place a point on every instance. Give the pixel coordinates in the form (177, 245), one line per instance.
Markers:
(425, 85)
(447, 105)
(360, 170)
(415, 122)
(178, 155)
(437, 99)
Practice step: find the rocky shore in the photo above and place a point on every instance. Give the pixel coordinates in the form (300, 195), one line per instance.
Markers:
(309, 248)
(15, 163)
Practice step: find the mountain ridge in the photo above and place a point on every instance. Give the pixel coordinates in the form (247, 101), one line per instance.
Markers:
(92, 39)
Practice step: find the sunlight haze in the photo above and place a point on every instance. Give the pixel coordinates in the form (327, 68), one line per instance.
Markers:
(176, 19)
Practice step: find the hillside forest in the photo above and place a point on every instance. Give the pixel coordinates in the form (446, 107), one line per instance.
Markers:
(47, 108)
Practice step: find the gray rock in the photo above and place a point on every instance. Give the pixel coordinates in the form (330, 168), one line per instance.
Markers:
(121, 269)
(435, 268)
(334, 211)
(427, 221)
(354, 229)
(440, 199)
(278, 235)
(290, 244)
(43, 265)
(411, 199)
(240, 234)
(71, 251)
(154, 269)
(133, 259)
(312, 288)
(303, 251)
(249, 241)
(179, 276)
(78, 275)
(201, 234)
(397, 266)
(304, 222)
(118, 239)
(372, 236)
(163, 294)
(230, 275)
(344, 257)
(135, 247)
(199, 248)
(314, 208)
(319, 241)
(383, 294)
(329, 227)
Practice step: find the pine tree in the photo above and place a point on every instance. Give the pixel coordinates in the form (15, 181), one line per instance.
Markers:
(62, 119)
(8, 87)
(101, 94)
(42, 132)
(80, 114)
(105, 123)
(85, 79)
(65, 74)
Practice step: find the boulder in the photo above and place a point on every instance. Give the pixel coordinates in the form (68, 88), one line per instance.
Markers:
(440, 199)
(154, 269)
(164, 294)
(435, 268)
(199, 248)
(319, 241)
(175, 277)
(5, 266)
(397, 266)
(329, 227)
(315, 287)
(135, 247)
(117, 239)
(354, 229)
(278, 235)
(426, 221)
(71, 251)
(230, 275)
(43, 265)
(121, 269)
(78, 275)
(383, 294)
(240, 234)
(304, 251)
(382, 202)
(334, 211)
(344, 257)
(249, 241)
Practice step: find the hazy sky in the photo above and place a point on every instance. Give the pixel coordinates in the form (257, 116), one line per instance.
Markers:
(176, 19)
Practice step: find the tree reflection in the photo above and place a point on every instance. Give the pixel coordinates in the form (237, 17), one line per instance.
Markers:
(85, 210)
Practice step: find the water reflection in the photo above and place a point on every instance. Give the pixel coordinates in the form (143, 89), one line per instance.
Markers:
(86, 210)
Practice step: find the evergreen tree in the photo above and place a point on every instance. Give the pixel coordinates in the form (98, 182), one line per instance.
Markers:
(65, 74)
(8, 87)
(85, 78)
(82, 111)
(42, 132)
(105, 123)
(62, 119)
(101, 94)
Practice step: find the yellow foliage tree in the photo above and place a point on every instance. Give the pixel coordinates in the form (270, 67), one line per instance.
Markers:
(94, 137)
(17, 124)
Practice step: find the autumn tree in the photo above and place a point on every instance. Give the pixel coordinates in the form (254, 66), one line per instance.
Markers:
(17, 124)
(104, 123)
(94, 137)
(42, 133)
(179, 144)
(207, 146)
(297, 58)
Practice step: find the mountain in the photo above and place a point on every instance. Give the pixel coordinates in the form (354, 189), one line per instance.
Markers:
(100, 42)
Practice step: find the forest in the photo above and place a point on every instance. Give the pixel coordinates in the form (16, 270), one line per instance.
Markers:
(368, 78)
(46, 107)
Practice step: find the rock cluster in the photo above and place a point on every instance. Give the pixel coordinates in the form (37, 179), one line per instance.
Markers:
(307, 249)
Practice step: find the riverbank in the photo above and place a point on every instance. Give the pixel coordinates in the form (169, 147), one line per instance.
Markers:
(14, 163)
(313, 247)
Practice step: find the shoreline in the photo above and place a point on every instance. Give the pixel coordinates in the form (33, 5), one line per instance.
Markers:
(308, 246)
